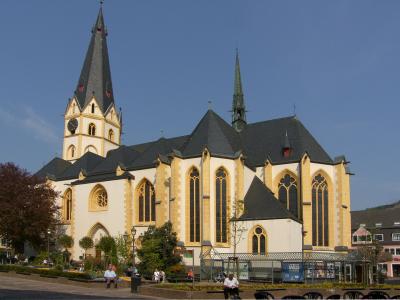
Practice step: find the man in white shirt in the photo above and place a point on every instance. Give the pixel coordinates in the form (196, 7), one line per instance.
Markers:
(110, 276)
(231, 286)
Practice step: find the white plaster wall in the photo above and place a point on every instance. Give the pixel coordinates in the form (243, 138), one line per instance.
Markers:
(248, 175)
(113, 219)
(277, 169)
(283, 235)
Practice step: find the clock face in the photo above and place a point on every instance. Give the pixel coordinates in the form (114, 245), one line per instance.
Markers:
(72, 125)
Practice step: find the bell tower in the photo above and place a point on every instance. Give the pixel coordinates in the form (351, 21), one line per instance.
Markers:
(91, 121)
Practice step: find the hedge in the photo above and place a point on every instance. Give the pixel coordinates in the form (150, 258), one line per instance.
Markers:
(50, 272)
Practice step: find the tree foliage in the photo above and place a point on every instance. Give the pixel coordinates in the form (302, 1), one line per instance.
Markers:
(107, 245)
(157, 249)
(86, 243)
(28, 207)
(65, 241)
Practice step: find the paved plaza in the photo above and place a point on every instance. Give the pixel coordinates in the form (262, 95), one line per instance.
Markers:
(25, 288)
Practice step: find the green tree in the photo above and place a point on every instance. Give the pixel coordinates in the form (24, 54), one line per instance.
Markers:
(124, 249)
(157, 249)
(28, 207)
(107, 245)
(86, 243)
(66, 241)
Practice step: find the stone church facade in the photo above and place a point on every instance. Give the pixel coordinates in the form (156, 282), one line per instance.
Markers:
(271, 178)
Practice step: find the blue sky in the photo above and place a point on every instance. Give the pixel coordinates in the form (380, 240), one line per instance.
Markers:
(337, 61)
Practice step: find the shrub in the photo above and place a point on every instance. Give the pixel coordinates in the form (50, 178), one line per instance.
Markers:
(51, 272)
(177, 270)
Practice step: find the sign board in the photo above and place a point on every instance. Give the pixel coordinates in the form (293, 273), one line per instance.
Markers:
(292, 272)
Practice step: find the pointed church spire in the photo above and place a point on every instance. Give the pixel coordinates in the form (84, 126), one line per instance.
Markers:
(95, 78)
(238, 107)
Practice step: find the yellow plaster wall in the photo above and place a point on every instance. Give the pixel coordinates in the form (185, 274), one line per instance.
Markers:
(176, 196)
(268, 175)
(205, 175)
(306, 199)
(128, 197)
(161, 188)
(239, 185)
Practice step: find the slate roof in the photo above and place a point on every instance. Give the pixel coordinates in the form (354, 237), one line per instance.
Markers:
(258, 142)
(214, 133)
(261, 204)
(265, 140)
(53, 168)
(386, 214)
(95, 78)
(87, 163)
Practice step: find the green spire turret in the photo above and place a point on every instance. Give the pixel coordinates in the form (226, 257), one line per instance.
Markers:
(238, 107)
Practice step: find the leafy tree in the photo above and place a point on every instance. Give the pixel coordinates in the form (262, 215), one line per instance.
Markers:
(124, 249)
(107, 245)
(157, 249)
(86, 243)
(66, 241)
(28, 207)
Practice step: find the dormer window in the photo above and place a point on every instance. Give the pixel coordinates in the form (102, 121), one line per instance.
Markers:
(80, 88)
(362, 236)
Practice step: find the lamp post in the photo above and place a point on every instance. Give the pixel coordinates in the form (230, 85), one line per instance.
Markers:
(134, 284)
(48, 246)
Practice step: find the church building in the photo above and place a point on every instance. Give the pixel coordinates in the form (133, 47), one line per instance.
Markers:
(271, 178)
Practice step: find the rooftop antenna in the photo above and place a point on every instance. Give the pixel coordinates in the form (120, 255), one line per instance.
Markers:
(294, 109)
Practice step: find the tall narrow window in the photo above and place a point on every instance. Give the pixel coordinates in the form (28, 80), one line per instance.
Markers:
(92, 129)
(320, 211)
(68, 205)
(147, 202)
(287, 193)
(111, 135)
(194, 206)
(93, 108)
(221, 206)
(258, 241)
(71, 152)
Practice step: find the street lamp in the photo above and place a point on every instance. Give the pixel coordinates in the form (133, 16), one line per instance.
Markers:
(48, 246)
(134, 284)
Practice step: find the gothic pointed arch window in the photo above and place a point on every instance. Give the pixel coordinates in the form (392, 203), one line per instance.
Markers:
(92, 129)
(67, 205)
(221, 206)
(111, 135)
(71, 152)
(258, 240)
(320, 211)
(194, 205)
(147, 202)
(288, 194)
(98, 199)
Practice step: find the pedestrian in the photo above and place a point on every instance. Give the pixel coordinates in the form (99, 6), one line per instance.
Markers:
(231, 287)
(156, 276)
(110, 276)
(162, 276)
